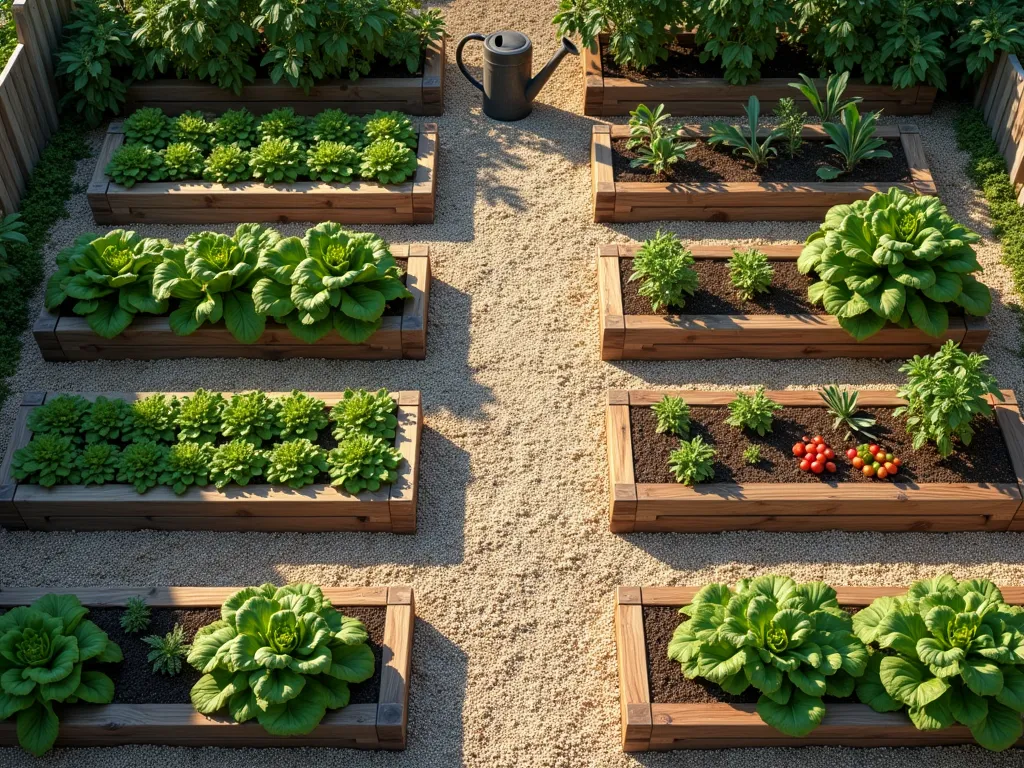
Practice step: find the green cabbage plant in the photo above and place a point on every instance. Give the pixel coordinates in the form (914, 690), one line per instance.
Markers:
(212, 277)
(949, 652)
(362, 412)
(236, 462)
(250, 416)
(896, 258)
(48, 652)
(187, 464)
(331, 278)
(790, 642)
(111, 277)
(49, 459)
(362, 462)
(295, 463)
(198, 416)
(300, 415)
(388, 161)
(282, 656)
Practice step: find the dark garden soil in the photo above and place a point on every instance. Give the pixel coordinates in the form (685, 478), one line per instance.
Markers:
(667, 683)
(705, 164)
(135, 682)
(684, 61)
(985, 460)
(715, 294)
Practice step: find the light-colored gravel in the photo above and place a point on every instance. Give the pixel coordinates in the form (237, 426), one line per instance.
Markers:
(513, 564)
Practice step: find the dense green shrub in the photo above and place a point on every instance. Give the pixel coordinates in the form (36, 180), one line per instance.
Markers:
(8, 34)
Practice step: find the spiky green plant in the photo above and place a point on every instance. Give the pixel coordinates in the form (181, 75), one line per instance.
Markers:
(842, 404)
(168, 652)
(136, 615)
(692, 462)
(752, 454)
(750, 273)
(754, 412)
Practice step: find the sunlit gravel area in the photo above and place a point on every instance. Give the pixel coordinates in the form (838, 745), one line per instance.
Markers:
(513, 564)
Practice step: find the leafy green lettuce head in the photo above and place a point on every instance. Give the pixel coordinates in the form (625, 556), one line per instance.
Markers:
(791, 642)
(330, 278)
(950, 652)
(896, 258)
(46, 654)
(282, 656)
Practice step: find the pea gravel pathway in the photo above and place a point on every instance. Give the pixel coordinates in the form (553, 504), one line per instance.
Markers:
(513, 564)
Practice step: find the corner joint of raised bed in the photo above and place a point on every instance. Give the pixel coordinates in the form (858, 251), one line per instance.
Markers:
(33, 398)
(628, 596)
(618, 397)
(400, 594)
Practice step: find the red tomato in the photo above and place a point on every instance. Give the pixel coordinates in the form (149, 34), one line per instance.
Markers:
(805, 465)
(852, 453)
(829, 453)
(818, 440)
(830, 466)
(873, 448)
(820, 458)
(897, 462)
(817, 467)
(882, 474)
(869, 470)
(798, 449)
(857, 462)
(890, 468)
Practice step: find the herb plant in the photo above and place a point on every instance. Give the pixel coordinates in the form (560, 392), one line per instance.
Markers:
(362, 462)
(388, 161)
(281, 123)
(277, 159)
(646, 125)
(50, 651)
(227, 164)
(300, 415)
(236, 126)
(188, 464)
(148, 126)
(97, 463)
(106, 420)
(141, 464)
(282, 656)
(168, 652)
(134, 163)
(854, 140)
(665, 270)
(662, 153)
(332, 161)
(63, 415)
(791, 124)
(948, 651)
(896, 258)
(673, 416)
(295, 463)
(136, 615)
(367, 413)
(251, 417)
(192, 128)
(153, 418)
(755, 149)
(47, 460)
(752, 455)
(791, 642)
(832, 106)
(236, 462)
(753, 412)
(390, 125)
(182, 160)
(331, 278)
(842, 404)
(750, 273)
(945, 392)
(692, 461)
(199, 416)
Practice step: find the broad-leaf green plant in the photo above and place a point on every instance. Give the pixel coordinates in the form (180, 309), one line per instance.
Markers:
(47, 460)
(236, 126)
(227, 164)
(673, 416)
(134, 163)
(277, 159)
(250, 416)
(388, 161)
(182, 160)
(188, 464)
(332, 161)
(237, 462)
(390, 125)
(142, 464)
(153, 418)
(107, 420)
(300, 415)
(756, 149)
(149, 126)
(97, 463)
(853, 139)
(63, 415)
(199, 416)
(750, 273)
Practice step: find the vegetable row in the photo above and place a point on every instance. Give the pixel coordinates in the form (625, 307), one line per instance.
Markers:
(282, 656)
(279, 148)
(945, 652)
(945, 393)
(329, 279)
(206, 439)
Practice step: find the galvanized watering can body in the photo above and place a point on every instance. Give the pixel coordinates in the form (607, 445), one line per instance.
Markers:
(508, 88)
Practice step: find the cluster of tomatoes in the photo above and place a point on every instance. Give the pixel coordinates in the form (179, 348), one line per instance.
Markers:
(873, 461)
(815, 455)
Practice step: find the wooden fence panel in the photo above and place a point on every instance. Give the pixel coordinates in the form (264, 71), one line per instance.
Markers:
(1001, 101)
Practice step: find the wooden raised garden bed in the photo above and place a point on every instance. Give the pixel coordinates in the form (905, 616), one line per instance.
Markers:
(201, 202)
(649, 336)
(626, 201)
(607, 95)
(421, 94)
(380, 723)
(983, 492)
(648, 723)
(254, 507)
(64, 337)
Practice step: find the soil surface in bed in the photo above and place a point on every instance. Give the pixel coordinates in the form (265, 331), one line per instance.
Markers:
(666, 680)
(705, 164)
(985, 460)
(135, 682)
(684, 61)
(715, 294)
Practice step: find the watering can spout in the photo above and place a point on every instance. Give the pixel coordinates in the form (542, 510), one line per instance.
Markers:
(536, 83)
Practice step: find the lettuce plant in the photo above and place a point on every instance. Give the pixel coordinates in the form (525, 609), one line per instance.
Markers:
(388, 161)
(949, 652)
(281, 123)
(188, 464)
(335, 125)
(48, 653)
(944, 393)
(153, 418)
(227, 164)
(332, 161)
(47, 460)
(141, 464)
(295, 463)
(63, 415)
(251, 417)
(212, 276)
(693, 461)
(300, 415)
(390, 125)
(753, 412)
(236, 126)
(148, 126)
(282, 656)
(182, 160)
(367, 413)
(277, 159)
(199, 416)
(673, 414)
(791, 642)
(362, 462)
(106, 420)
(111, 277)
(192, 128)
(664, 267)
(135, 163)
(236, 462)
(896, 258)
(331, 278)
(97, 463)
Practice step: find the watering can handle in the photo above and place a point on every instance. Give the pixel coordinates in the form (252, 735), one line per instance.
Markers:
(458, 58)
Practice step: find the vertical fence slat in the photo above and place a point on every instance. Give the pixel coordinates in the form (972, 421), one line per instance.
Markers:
(36, 33)
(10, 112)
(1001, 100)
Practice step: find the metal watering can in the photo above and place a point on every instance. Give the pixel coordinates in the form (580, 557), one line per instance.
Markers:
(508, 89)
